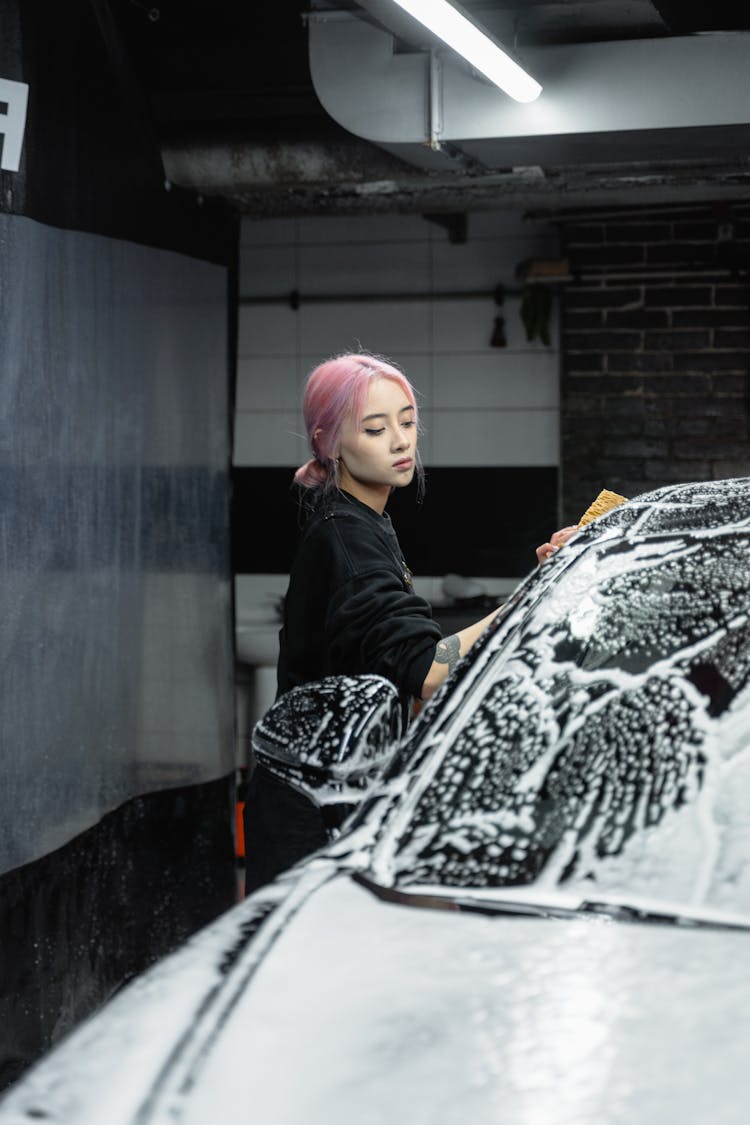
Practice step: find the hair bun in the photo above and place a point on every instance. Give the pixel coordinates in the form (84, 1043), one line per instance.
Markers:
(312, 474)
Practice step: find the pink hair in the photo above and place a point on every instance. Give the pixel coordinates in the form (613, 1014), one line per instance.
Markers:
(335, 392)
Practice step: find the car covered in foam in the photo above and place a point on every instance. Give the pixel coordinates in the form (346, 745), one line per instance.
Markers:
(538, 907)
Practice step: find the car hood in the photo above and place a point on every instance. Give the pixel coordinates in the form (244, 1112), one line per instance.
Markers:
(365, 1011)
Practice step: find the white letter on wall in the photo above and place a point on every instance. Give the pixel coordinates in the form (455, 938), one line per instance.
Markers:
(15, 95)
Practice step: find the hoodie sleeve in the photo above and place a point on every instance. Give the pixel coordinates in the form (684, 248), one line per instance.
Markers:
(375, 625)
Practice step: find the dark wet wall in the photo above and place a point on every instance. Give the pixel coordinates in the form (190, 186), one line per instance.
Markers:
(116, 640)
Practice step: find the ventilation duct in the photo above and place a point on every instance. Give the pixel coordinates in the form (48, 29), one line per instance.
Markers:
(662, 98)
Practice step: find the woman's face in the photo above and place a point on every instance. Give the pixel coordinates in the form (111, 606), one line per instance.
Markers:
(378, 450)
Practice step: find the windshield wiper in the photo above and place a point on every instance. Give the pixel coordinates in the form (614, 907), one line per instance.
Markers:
(672, 916)
(536, 902)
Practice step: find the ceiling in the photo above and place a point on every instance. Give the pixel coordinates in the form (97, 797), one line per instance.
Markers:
(234, 99)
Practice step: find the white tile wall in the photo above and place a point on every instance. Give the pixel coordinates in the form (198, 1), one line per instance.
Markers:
(268, 382)
(267, 330)
(269, 232)
(481, 405)
(473, 438)
(377, 267)
(385, 327)
(497, 380)
(269, 438)
(268, 270)
(361, 229)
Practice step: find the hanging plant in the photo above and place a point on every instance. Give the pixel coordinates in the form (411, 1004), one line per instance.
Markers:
(536, 309)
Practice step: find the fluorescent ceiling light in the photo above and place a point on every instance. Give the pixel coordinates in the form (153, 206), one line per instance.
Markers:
(443, 20)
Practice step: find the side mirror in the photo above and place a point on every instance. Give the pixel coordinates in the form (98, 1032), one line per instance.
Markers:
(331, 739)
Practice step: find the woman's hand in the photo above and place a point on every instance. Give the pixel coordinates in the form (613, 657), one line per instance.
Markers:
(547, 550)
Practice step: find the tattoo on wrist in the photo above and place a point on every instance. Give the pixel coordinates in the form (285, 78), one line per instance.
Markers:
(448, 652)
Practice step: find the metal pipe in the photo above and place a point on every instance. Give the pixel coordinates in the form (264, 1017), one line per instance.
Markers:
(295, 299)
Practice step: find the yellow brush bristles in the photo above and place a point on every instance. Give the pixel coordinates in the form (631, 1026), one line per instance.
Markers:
(604, 502)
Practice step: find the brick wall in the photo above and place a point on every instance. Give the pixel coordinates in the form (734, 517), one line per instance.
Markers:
(656, 350)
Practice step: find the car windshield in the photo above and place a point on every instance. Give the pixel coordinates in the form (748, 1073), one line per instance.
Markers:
(599, 739)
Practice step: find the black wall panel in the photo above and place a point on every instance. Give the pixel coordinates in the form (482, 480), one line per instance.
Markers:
(471, 521)
(83, 919)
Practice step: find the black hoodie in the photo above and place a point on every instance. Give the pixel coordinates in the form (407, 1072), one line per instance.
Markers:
(350, 607)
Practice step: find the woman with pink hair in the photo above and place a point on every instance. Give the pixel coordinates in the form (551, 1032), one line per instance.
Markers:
(350, 608)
